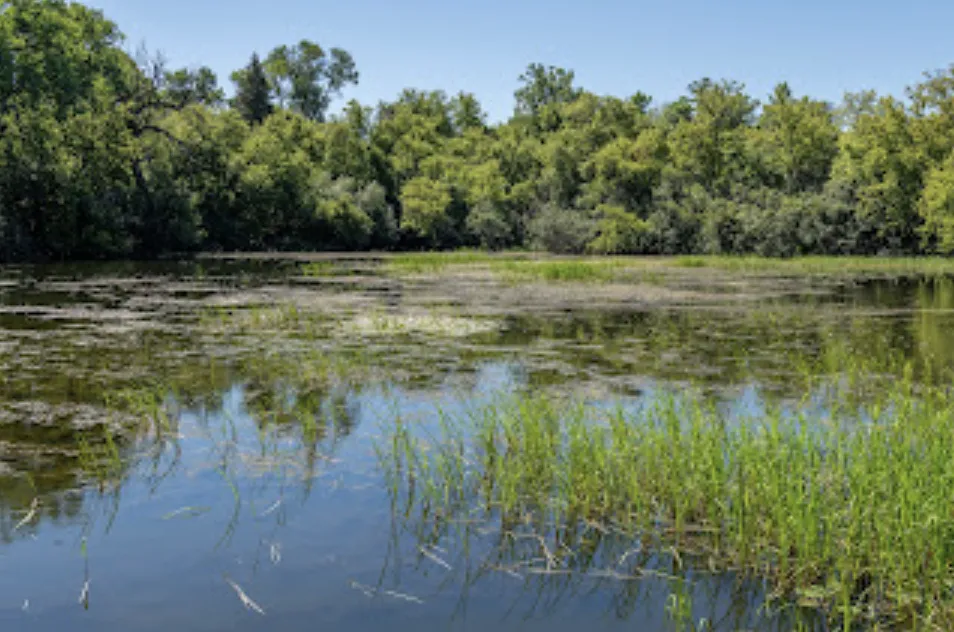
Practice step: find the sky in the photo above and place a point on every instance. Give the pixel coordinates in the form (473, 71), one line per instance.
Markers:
(821, 47)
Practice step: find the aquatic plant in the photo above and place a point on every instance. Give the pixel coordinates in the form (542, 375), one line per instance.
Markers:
(591, 270)
(431, 262)
(846, 509)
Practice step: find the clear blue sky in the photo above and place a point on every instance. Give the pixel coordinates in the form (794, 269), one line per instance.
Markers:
(822, 47)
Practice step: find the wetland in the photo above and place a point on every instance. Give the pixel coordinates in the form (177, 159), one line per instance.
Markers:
(457, 441)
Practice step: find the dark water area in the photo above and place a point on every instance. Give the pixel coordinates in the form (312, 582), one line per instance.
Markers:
(261, 504)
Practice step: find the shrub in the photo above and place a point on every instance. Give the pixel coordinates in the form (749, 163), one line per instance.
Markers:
(561, 231)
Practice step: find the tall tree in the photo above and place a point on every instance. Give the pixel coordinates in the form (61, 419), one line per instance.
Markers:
(710, 147)
(799, 140)
(543, 86)
(466, 112)
(252, 92)
(186, 87)
(306, 78)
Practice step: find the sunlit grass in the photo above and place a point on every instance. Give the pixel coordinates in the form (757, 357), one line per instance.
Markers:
(560, 270)
(898, 266)
(432, 262)
(517, 267)
(540, 266)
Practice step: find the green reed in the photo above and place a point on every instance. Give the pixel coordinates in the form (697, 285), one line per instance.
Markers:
(844, 508)
(432, 262)
(563, 270)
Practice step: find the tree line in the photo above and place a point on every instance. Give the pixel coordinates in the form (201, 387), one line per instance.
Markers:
(105, 154)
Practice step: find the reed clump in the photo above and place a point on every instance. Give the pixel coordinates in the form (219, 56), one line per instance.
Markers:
(433, 262)
(589, 270)
(846, 509)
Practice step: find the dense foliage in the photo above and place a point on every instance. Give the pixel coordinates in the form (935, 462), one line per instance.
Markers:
(103, 154)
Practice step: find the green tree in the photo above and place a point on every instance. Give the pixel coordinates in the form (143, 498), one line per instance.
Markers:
(711, 146)
(252, 92)
(936, 208)
(798, 139)
(619, 232)
(881, 167)
(306, 78)
(187, 87)
(466, 113)
(426, 206)
(543, 86)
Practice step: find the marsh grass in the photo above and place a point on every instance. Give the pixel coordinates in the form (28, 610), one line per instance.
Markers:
(518, 267)
(318, 268)
(824, 266)
(432, 262)
(845, 509)
(562, 270)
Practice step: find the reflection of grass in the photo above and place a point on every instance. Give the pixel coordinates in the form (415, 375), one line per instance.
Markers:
(847, 511)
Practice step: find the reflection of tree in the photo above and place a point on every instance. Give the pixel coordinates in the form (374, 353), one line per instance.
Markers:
(296, 411)
(723, 346)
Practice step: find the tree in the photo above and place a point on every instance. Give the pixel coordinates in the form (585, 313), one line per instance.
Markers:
(799, 140)
(880, 165)
(252, 92)
(487, 225)
(711, 146)
(936, 208)
(543, 86)
(306, 78)
(188, 87)
(466, 113)
(428, 212)
(561, 230)
(619, 232)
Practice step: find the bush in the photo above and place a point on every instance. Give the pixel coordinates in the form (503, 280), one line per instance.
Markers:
(488, 227)
(561, 231)
(619, 232)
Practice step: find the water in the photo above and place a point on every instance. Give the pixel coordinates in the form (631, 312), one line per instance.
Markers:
(270, 484)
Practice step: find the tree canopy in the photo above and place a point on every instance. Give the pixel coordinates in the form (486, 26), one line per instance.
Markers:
(108, 154)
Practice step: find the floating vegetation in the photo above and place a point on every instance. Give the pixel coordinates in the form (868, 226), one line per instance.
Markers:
(371, 591)
(244, 598)
(31, 514)
(383, 324)
(186, 512)
(435, 558)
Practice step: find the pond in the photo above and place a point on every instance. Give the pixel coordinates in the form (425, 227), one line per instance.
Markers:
(208, 444)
